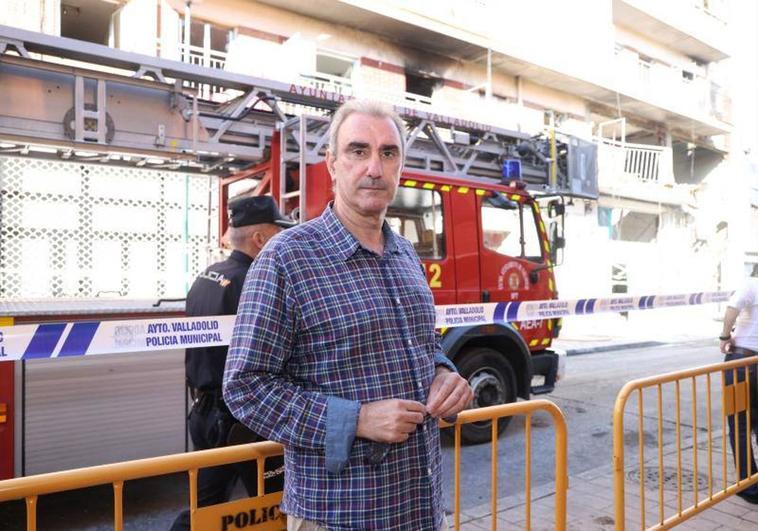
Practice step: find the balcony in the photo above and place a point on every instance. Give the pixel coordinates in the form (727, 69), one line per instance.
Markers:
(461, 104)
(692, 27)
(639, 171)
(688, 94)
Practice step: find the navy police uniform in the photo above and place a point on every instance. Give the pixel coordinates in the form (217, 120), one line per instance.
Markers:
(216, 291)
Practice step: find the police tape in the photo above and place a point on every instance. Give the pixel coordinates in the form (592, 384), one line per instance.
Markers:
(497, 312)
(64, 340)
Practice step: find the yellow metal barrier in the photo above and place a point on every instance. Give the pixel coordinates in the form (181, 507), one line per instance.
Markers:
(734, 400)
(30, 488)
(267, 516)
(526, 408)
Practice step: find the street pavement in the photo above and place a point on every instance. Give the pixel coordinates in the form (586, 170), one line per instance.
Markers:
(641, 347)
(590, 503)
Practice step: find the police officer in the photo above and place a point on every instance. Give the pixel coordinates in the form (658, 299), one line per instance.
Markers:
(216, 291)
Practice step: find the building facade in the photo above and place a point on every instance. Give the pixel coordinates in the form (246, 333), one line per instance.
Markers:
(659, 86)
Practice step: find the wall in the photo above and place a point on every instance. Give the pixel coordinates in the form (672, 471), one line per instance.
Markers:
(264, 33)
(33, 15)
(647, 46)
(538, 32)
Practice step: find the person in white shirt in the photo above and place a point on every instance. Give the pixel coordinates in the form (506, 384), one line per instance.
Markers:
(736, 343)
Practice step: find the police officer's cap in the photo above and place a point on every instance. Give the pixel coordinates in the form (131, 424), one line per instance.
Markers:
(254, 210)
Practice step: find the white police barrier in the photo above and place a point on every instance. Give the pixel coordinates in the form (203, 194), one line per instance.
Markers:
(60, 340)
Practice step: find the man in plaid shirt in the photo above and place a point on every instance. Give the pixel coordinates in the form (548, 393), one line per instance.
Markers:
(335, 355)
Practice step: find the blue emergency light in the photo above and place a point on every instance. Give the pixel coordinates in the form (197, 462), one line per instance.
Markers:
(511, 169)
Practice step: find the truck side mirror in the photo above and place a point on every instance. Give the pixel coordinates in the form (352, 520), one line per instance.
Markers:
(557, 243)
(555, 208)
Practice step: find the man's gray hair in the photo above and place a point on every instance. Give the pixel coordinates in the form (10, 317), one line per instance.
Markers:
(239, 235)
(370, 107)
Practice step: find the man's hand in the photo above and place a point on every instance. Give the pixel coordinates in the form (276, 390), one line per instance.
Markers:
(450, 394)
(389, 421)
(727, 345)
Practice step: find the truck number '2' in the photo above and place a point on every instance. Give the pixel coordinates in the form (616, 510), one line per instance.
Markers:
(436, 272)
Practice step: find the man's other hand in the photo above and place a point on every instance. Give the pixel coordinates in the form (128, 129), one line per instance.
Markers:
(449, 395)
(727, 345)
(389, 421)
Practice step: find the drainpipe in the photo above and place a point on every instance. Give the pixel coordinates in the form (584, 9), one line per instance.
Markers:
(187, 28)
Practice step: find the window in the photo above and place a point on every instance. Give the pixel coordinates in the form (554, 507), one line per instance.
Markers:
(205, 35)
(334, 73)
(205, 38)
(417, 215)
(420, 83)
(624, 225)
(509, 228)
(86, 20)
(334, 64)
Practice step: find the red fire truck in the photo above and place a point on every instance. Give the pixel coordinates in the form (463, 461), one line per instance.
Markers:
(480, 240)
(469, 202)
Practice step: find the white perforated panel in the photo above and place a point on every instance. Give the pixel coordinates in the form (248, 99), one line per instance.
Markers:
(70, 229)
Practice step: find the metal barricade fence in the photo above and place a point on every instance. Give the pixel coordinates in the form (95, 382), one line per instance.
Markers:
(526, 408)
(31, 487)
(668, 471)
(242, 512)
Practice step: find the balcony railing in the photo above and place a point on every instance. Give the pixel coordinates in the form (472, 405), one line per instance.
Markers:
(346, 87)
(623, 163)
(328, 82)
(198, 55)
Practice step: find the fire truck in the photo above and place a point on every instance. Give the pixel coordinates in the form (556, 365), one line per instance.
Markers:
(482, 206)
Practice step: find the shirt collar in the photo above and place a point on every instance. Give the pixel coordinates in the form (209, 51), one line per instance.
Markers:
(344, 243)
(239, 256)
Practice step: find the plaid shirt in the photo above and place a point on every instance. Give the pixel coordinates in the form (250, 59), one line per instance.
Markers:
(323, 326)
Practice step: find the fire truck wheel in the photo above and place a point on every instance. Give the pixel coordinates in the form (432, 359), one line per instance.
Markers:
(493, 382)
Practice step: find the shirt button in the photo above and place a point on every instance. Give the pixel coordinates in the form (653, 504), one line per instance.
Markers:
(410, 342)
(429, 470)
(397, 301)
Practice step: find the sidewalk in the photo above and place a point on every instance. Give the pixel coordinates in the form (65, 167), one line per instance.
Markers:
(590, 503)
(584, 334)
(590, 507)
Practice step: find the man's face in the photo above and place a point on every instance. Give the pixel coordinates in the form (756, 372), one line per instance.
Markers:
(366, 167)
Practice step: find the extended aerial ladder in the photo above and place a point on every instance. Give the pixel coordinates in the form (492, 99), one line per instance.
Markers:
(63, 99)
(74, 100)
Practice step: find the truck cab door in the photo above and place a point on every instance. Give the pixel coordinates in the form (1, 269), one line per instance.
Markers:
(421, 215)
(514, 252)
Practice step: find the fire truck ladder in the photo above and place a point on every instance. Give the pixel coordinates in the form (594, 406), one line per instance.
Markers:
(64, 98)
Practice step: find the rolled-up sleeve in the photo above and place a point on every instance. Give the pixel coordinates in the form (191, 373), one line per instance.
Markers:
(256, 388)
(440, 360)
